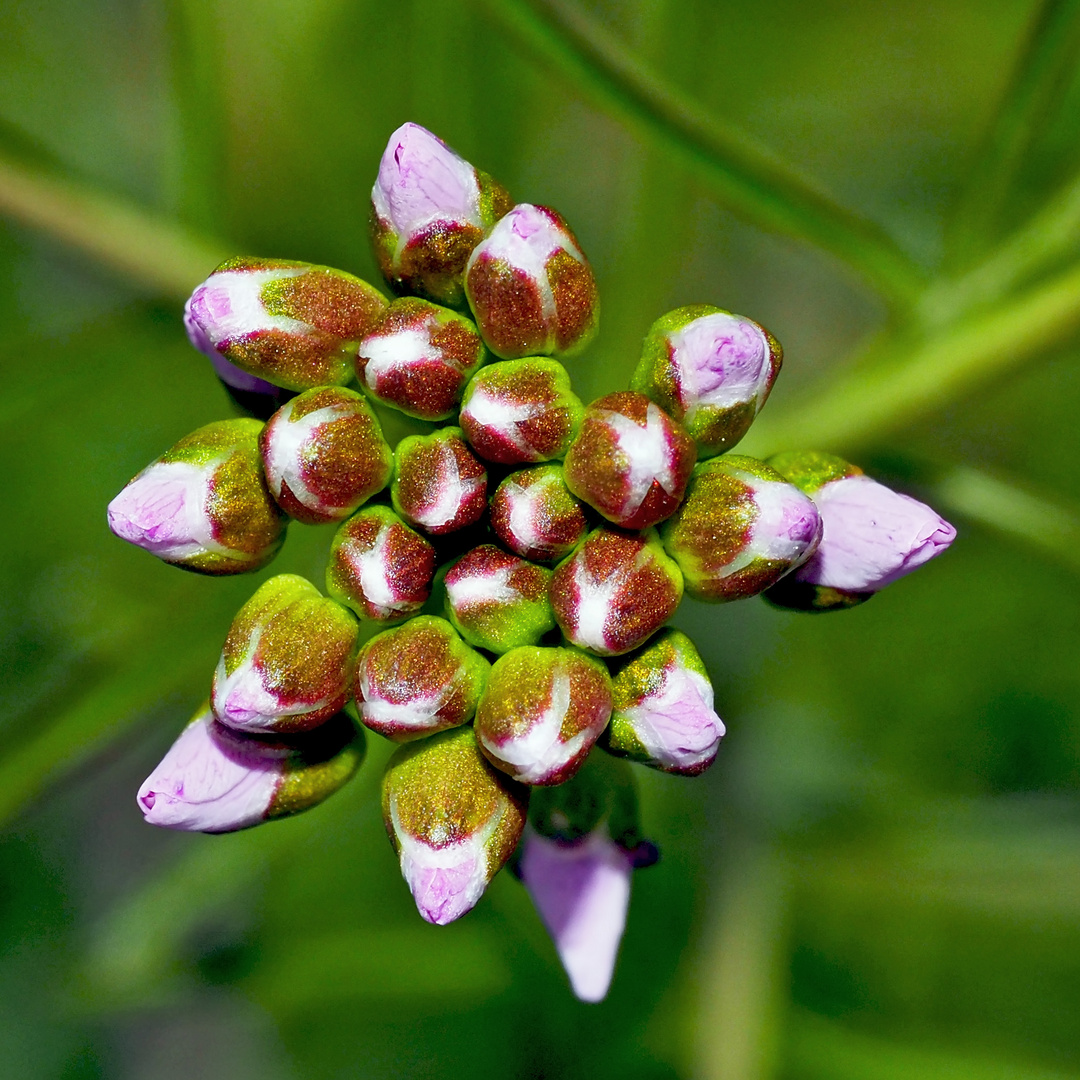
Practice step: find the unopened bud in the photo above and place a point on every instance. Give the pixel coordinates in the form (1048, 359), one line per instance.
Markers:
(439, 485)
(871, 535)
(521, 411)
(419, 358)
(379, 567)
(710, 369)
(287, 661)
(631, 461)
(290, 323)
(204, 504)
(498, 601)
(535, 516)
(215, 780)
(417, 679)
(429, 209)
(324, 455)
(663, 712)
(530, 287)
(452, 819)
(542, 711)
(740, 529)
(615, 591)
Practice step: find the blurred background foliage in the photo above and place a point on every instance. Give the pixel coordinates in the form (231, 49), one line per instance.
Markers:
(880, 878)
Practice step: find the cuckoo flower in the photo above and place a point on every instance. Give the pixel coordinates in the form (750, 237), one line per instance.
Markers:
(542, 711)
(439, 485)
(871, 535)
(740, 529)
(429, 209)
(615, 591)
(530, 287)
(324, 455)
(535, 516)
(631, 461)
(452, 819)
(204, 504)
(214, 779)
(287, 660)
(710, 369)
(289, 323)
(417, 679)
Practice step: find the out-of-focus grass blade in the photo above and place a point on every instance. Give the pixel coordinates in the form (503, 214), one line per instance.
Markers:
(1045, 63)
(820, 1049)
(371, 965)
(912, 380)
(156, 255)
(749, 178)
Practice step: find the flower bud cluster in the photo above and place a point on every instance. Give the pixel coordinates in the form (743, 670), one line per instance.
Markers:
(500, 588)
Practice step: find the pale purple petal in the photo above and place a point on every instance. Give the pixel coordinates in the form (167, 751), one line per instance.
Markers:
(208, 782)
(582, 892)
(872, 536)
(446, 882)
(164, 510)
(722, 361)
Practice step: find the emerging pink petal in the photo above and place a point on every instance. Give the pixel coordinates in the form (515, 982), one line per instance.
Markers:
(446, 882)
(164, 510)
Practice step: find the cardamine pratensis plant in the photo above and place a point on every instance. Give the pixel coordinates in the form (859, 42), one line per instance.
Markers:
(567, 535)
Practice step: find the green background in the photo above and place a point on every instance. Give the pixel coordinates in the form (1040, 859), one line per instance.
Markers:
(880, 877)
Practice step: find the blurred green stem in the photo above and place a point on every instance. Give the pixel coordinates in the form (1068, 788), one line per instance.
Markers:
(747, 176)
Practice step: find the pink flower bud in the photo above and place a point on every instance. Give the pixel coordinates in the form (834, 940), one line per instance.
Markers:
(531, 288)
(521, 411)
(419, 358)
(418, 679)
(452, 819)
(740, 529)
(581, 892)
(615, 591)
(663, 708)
(439, 485)
(379, 567)
(287, 661)
(214, 779)
(535, 516)
(430, 208)
(631, 461)
(204, 504)
(498, 601)
(541, 712)
(324, 455)
(710, 369)
(289, 323)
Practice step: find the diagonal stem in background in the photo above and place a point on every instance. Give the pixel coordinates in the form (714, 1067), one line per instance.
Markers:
(748, 177)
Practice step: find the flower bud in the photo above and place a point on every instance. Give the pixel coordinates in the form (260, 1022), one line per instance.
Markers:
(521, 411)
(289, 323)
(542, 711)
(439, 485)
(530, 287)
(324, 455)
(215, 780)
(615, 591)
(287, 661)
(663, 708)
(417, 679)
(871, 535)
(452, 819)
(630, 461)
(419, 358)
(740, 529)
(535, 516)
(498, 601)
(429, 209)
(710, 369)
(379, 567)
(579, 847)
(204, 504)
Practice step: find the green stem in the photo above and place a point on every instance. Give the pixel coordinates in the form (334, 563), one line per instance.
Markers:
(872, 402)
(747, 176)
(155, 255)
